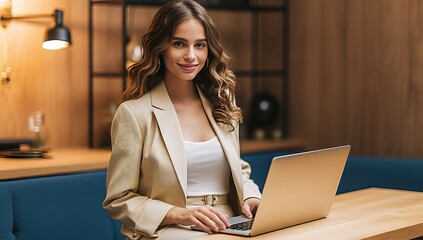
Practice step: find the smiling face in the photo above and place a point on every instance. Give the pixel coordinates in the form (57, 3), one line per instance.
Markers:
(187, 53)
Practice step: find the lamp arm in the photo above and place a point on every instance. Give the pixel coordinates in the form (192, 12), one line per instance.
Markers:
(6, 18)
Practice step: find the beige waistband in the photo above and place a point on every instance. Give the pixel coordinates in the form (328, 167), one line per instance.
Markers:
(208, 200)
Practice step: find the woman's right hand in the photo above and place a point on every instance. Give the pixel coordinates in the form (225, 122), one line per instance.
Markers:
(207, 218)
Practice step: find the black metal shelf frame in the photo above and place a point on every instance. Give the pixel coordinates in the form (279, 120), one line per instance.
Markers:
(229, 7)
(254, 9)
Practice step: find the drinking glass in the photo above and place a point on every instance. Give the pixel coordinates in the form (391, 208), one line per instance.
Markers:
(36, 123)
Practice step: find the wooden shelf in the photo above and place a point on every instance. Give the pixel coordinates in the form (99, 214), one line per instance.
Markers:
(73, 160)
(256, 146)
(60, 161)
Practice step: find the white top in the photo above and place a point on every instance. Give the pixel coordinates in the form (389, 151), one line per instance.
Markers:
(208, 169)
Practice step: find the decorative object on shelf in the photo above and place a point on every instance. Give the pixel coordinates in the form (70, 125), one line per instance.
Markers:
(277, 134)
(28, 148)
(56, 38)
(259, 134)
(134, 50)
(36, 123)
(14, 143)
(133, 40)
(26, 153)
(264, 110)
(264, 113)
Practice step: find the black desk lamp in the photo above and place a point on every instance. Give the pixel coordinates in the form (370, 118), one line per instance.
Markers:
(56, 38)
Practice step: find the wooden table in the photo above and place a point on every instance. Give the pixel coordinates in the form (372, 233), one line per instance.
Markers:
(372, 213)
(60, 161)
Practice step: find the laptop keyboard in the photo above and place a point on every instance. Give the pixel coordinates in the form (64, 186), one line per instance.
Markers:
(243, 225)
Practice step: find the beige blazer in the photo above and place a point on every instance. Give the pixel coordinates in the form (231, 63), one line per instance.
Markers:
(147, 173)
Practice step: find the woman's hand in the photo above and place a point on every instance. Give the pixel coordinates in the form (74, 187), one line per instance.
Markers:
(207, 218)
(249, 206)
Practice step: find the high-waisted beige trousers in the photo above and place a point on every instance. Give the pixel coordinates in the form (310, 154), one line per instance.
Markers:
(182, 233)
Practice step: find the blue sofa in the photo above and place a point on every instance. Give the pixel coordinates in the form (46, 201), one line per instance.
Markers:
(69, 207)
(65, 207)
(360, 172)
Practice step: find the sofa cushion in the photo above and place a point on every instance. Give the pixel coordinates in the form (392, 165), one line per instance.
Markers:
(397, 173)
(56, 207)
(360, 172)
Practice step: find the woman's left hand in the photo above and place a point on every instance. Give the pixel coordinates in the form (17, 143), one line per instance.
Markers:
(250, 205)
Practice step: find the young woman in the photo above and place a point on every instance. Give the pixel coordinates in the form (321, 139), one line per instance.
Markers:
(175, 148)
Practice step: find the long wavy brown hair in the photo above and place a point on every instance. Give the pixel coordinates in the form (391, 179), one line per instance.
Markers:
(215, 80)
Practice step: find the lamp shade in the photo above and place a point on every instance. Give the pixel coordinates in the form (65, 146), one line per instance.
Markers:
(59, 36)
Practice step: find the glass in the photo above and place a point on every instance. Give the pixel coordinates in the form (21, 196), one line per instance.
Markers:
(36, 123)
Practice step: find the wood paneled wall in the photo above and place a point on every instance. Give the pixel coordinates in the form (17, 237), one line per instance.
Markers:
(51, 81)
(357, 75)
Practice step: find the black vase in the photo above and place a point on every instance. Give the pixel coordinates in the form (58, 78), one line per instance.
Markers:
(264, 110)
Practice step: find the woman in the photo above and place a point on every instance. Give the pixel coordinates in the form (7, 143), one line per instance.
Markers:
(175, 148)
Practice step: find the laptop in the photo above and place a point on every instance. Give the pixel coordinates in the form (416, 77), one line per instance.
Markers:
(299, 188)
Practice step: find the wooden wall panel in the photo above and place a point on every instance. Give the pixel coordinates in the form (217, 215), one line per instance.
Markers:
(366, 80)
(354, 75)
(43, 80)
(107, 38)
(305, 71)
(332, 82)
(414, 122)
(78, 74)
(386, 74)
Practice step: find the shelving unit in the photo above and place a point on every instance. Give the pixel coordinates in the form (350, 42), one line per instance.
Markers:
(255, 73)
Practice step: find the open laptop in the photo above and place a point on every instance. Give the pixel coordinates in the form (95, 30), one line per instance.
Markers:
(299, 188)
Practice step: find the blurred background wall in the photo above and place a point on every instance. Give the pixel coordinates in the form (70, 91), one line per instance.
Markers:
(357, 75)
(355, 72)
(54, 82)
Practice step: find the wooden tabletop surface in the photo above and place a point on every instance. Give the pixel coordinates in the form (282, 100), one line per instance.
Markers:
(372, 213)
(59, 161)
